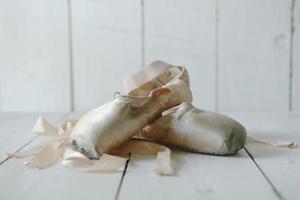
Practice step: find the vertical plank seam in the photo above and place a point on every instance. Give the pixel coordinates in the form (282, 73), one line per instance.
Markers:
(217, 21)
(122, 178)
(31, 140)
(142, 15)
(1, 88)
(71, 64)
(142, 33)
(291, 67)
(275, 190)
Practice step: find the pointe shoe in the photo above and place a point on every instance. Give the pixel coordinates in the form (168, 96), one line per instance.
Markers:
(196, 130)
(162, 86)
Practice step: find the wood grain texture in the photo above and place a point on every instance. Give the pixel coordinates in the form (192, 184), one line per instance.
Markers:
(254, 54)
(296, 59)
(106, 41)
(56, 182)
(198, 177)
(15, 129)
(34, 59)
(281, 165)
(183, 33)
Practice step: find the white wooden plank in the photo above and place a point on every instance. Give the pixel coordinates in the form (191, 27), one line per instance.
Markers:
(34, 60)
(296, 59)
(198, 177)
(15, 129)
(281, 165)
(106, 41)
(254, 55)
(56, 182)
(183, 33)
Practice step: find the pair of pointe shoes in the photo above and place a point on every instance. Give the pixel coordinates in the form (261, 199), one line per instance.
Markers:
(157, 108)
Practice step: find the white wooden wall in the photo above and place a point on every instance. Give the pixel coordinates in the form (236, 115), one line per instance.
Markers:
(296, 57)
(62, 55)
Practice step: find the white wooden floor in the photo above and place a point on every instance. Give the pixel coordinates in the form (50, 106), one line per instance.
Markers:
(257, 172)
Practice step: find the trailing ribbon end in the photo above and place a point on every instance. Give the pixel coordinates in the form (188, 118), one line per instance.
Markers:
(274, 143)
(163, 163)
(107, 163)
(142, 147)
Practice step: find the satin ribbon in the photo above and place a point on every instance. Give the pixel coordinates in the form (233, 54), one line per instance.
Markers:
(57, 149)
(274, 143)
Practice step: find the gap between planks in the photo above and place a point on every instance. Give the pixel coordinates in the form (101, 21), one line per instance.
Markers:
(122, 178)
(32, 139)
(19, 149)
(275, 190)
(71, 53)
(55, 122)
(217, 44)
(143, 28)
(119, 188)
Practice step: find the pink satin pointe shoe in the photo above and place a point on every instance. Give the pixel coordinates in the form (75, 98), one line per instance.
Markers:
(186, 126)
(196, 130)
(104, 128)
